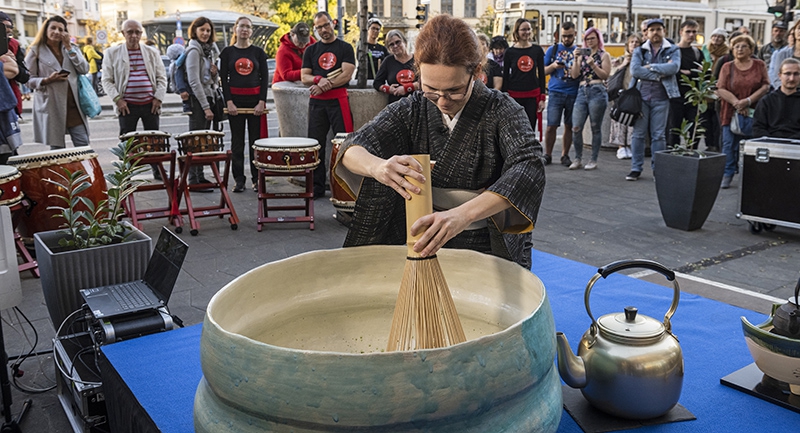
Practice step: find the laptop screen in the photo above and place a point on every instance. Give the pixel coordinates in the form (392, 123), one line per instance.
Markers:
(165, 264)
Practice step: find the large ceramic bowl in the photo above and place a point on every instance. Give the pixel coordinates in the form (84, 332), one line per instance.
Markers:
(299, 346)
(777, 356)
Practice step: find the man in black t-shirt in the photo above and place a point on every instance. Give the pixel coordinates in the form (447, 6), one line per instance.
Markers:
(376, 52)
(328, 66)
(690, 57)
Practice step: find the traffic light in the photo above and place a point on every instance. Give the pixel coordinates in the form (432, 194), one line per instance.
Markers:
(422, 15)
(346, 27)
(782, 11)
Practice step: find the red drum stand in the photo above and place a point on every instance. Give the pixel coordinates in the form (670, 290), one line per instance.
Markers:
(156, 159)
(28, 262)
(225, 206)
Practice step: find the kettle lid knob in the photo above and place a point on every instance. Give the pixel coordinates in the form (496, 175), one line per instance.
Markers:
(630, 313)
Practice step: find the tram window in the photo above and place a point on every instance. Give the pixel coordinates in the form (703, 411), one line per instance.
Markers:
(758, 29)
(672, 26)
(732, 24)
(701, 29)
(552, 26)
(598, 20)
(618, 28)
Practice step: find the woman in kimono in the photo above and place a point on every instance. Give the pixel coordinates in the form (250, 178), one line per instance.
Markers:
(55, 64)
(488, 178)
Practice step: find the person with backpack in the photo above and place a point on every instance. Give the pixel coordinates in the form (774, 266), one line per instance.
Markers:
(562, 91)
(691, 57)
(93, 58)
(203, 76)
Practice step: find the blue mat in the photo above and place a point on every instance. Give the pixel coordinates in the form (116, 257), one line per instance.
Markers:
(709, 332)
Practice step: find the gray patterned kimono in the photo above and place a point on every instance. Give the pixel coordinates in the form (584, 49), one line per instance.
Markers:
(492, 147)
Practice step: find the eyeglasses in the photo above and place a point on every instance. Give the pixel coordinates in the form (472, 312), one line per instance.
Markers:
(133, 32)
(397, 43)
(322, 26)
(590, 38)
(9, 26)
(567, 36)
(690, 31)
(450, 96)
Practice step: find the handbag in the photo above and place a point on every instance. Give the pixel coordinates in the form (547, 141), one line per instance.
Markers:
(742, 125)
(88, 100)
(616, 83)
(627, 109)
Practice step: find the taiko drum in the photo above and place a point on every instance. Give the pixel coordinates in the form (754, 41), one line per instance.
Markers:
(286, 154)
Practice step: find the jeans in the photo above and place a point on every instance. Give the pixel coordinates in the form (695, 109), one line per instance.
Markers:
(558, 103)
(591, 102)
(654, 116)
(730, 147)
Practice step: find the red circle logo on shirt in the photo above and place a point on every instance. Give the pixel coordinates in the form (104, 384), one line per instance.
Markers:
(244, 66)
(405, 76)
(327, 61)
(525, 63)
(484, 78)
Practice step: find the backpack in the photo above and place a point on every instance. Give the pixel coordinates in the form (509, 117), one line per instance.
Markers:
(179, 76)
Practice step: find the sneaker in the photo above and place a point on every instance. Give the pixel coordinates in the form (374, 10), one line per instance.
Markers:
(591, 165)
(726, 182)
(576, 164)
(565, 161)
(621, 153)
(547, 159)
(634, 175)
(239, 187)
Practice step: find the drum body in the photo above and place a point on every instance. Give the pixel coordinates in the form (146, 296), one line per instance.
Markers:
(201, 141)
(341, 199)
(149, 141)
(286, 154)
(10, 186)
(35, 167)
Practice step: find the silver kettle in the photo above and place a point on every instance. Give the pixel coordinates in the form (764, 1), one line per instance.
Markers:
(628, 365)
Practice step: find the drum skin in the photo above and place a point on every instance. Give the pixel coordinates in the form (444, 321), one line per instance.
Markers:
(202, 141)
(341, 199)
(149, 141)
(284, 353)
(286, 154)
(35, 167)
(10, 186)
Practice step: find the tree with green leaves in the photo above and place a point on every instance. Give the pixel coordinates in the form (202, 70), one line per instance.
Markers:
(486, 22)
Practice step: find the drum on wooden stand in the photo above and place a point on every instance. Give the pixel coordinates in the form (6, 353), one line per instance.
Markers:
(149, 141)
(201, 141)
(286, 154)
(343, 202)
(10, 186)
(35, 167)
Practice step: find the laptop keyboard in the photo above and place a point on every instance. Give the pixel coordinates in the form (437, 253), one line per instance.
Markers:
(130, 296)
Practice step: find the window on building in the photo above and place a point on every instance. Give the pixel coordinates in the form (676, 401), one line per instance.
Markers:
(447, 7)
(377, 8)
(397, 8)
(598, 20)
(758, 31)
(470, 9)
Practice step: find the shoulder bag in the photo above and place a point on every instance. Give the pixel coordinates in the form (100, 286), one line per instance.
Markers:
(740, 124)
(616, 83)
(88, 100)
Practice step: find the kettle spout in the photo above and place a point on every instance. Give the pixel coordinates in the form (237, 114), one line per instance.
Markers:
(571, 367)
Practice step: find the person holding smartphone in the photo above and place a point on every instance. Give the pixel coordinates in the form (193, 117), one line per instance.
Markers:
(562, 90)
(54, 64)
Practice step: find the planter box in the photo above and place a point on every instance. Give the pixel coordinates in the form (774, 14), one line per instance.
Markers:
(687, 187)
(65, 273)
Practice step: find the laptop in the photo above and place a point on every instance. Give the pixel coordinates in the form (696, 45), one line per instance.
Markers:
(151, 292)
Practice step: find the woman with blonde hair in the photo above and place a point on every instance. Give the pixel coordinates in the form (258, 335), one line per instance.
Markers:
(54, 64)
(741, 84)
(523, 71)
(245, 80)
(396, 76)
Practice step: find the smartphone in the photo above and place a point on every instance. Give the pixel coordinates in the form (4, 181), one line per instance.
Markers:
(586, 51)
(63, 72)
(559, 62)
(3, 39)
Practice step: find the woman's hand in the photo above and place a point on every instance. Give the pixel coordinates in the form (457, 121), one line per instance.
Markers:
(540, 107)
(213, 69)
(65, 41)
(438, 228)
(209, 114)
(54, 77)
(260, 108)
(232, 110)
(741, 104)
(392, 172)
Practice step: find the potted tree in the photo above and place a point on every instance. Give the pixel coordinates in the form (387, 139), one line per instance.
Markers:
(94, 248)
(687, 180)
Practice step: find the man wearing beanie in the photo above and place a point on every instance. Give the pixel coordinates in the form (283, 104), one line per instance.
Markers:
(289, 59)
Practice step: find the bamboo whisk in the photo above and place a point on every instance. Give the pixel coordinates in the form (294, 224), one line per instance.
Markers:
(425, 315)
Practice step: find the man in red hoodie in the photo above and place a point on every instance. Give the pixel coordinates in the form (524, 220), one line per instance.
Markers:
(289, 59)
(19, 53)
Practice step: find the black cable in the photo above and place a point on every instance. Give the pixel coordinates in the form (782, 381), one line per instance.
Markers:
(21, 358)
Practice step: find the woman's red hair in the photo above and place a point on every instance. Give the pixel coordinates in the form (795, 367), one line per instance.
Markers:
(448, 41)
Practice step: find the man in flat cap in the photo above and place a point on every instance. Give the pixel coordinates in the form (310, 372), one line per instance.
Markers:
(779, 30)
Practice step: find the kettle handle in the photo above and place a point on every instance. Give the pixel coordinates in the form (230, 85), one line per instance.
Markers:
(620, 265)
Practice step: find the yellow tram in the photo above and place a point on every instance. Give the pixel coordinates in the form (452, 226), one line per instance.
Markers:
(610, 17)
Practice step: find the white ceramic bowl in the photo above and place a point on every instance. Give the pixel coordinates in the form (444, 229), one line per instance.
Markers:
(299, 345)
(777, 356)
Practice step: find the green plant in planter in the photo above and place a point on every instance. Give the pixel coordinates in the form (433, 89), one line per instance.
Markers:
(701, 92)
(99, 223)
